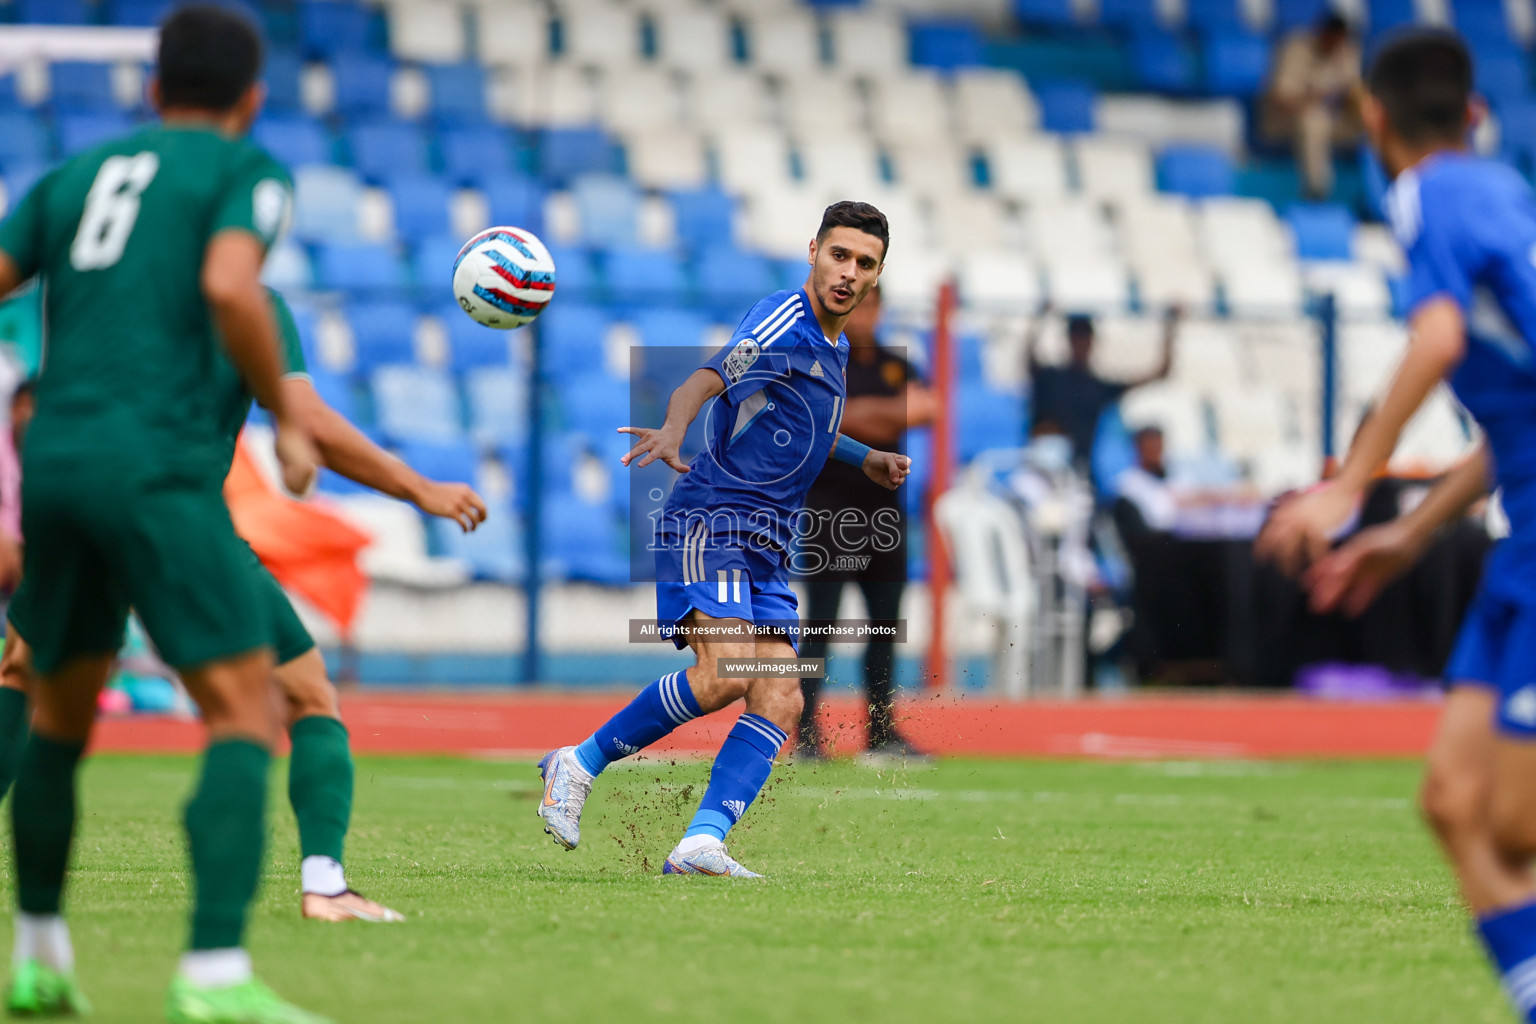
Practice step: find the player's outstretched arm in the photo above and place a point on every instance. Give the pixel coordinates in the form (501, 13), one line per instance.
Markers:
(242, 311)
(888, 469)
(1299, 531)
(1351, 577)
(348, 451)
(666, 441)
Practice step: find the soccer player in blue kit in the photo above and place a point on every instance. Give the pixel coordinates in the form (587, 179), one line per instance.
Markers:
(1468, 226)
(773, 400)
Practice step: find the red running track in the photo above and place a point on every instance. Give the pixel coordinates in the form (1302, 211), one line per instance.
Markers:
(1136, 727)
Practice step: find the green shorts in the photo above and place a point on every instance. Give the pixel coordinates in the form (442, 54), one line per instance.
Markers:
(104, 538)
(289, 637)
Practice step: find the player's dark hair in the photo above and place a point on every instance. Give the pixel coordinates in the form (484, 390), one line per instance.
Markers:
(859, 216)
(1331, 24)
(209, 56)
(1079, 325)
(1423, 80)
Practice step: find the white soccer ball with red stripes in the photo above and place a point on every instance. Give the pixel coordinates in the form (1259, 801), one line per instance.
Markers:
(503, 277)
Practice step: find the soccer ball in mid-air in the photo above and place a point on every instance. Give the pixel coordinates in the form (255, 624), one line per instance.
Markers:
(503, 277)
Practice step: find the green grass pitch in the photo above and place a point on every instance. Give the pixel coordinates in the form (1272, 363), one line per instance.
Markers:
(970, 891)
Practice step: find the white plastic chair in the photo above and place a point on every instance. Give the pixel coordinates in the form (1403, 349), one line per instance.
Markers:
(427, 30)
(991, 103)
(1031, 170)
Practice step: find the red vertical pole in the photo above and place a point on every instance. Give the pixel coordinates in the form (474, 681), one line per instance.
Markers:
(939, 573)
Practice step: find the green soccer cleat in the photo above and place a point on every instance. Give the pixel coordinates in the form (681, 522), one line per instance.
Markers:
(249, 1002)
(38, 991)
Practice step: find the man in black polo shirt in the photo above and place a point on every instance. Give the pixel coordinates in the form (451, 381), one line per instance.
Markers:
(1073, 397)
(885, 397)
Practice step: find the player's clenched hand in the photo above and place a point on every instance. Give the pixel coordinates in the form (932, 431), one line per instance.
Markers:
(1351, 577)
(659, 443)
(297, 455)
(458, 502)
(887, 469)
(1299, 531)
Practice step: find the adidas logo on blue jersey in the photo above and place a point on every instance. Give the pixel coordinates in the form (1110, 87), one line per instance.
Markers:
(816, 370)
(736, 807)
(625, 748)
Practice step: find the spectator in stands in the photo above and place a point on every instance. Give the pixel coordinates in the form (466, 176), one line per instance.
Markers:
(885, 397)
(23, 403)
(1312, 101)
(1073, 397)
(1145, 503)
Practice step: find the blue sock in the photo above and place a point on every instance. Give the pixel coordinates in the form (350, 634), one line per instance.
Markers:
(741, 768)
(661, 707)
(1510, 936)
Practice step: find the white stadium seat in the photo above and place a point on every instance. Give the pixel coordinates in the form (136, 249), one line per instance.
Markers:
(1032, 170)
(1368, 353)
(557, 96)
(844, 165)
(600, 33)
(912, 106)
(1069, 228)
(1007, 282)
(1234, 230)
(750, 159)
(694, 37)
(1359, 290)
(427, 30)
(911, 279)
(936, 170)
(818, 103)
(1159, 228)
(1087, 283)
(969, 222)
(514, 32)
(777, 218)
(726, 98)
(868, 42)
(673, 158)
(640, 99)
(398, 552)
(1114, 170)
(1185, 283)
(992, 103)
(784, 43)
(1376, 246)
(1262, 288)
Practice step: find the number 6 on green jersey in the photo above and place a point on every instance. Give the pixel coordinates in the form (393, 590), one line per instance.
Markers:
(111, 209)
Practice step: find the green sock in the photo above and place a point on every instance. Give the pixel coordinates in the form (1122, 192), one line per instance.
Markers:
(226, 830)
(320, 785)
(43, 821)
(14, 722)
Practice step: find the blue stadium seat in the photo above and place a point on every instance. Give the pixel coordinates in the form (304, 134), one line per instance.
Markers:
(452, 462)
(282, 69)
(20, 177)
(609, 208)
(382, 333)
(1129, 14)
(573, 337)
(575, 273)
(336, 390)
(137, 13)
(1236, 63)
(730, 281)
(498, 404)
(1293, 14)
(432, 263)
(1213, 15)
(331, 27)
(359, 267)
(595, 404)
(645, 277)
(458, 93)
(704, 217)
(53, 12)
(1196, 171)
(946, 44)
(515, 201)
(362, 84)
(791, 272)
(388, 149)
(472, 345)
(1163, 62)
(674, 328)
(565, 153)
(421, 206)
(1323, 230)
(1066, 106)
(330, 482)
(1504, 79)
(1045, 12)
(583, 540)
(294, 139)
(495, 551)
(288, 269)
(22, 139)
(325, 204)
(473, 156)
(1485, 26)
(79, 132)
(1518, 133)
(1386, 15)
(412, 403)
(988, 419)
(81, 85)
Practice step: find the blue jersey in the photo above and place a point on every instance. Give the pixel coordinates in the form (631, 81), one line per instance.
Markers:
(1468, 226)
(769, 434)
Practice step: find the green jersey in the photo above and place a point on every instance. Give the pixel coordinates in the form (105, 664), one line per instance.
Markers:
(235, 402)
(132, 365)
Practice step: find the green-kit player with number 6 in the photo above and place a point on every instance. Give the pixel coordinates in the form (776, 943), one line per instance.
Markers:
(150, 249)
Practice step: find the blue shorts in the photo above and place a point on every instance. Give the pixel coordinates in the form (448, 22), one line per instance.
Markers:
(1497, 649)
(728, 581)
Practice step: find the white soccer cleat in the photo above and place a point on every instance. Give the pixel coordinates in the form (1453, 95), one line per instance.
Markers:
(710, 860)
(566, 788)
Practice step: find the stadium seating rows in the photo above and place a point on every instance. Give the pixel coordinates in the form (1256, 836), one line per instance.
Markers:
(672, 155)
